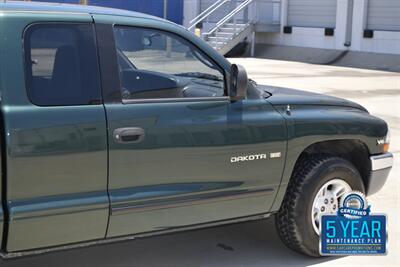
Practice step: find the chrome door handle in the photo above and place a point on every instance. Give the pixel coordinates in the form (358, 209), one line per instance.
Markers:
(129, 135)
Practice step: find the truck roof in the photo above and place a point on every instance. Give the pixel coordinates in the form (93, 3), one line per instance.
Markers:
(68, 8)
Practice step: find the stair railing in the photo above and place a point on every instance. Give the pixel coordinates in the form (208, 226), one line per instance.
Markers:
(228, 18)
(211, 9)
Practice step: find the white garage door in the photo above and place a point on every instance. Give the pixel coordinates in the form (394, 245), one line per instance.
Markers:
(312, 13)
(383, 15)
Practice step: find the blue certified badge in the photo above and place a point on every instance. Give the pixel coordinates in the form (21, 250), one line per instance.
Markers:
(353, 231)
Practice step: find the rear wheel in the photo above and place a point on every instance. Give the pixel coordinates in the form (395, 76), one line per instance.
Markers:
(315, 188)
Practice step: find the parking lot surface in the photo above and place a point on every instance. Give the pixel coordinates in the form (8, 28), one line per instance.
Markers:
(257, 243)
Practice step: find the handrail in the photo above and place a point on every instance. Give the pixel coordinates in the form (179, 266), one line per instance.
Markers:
(206, 13)
(229, 16)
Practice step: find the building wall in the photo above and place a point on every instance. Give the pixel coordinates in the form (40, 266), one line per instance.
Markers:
(152, 7)
(191, 8)
(383, 41)
(353, 17)
(307, 19)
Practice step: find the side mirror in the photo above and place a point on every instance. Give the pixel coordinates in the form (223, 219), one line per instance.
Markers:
(238, 82)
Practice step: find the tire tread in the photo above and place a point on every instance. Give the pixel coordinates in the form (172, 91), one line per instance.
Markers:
(285, 219)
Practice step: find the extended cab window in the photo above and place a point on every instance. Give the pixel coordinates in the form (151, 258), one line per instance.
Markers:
(61, 65)
(156, 64)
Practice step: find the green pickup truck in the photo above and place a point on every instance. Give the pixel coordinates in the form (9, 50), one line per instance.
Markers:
(117, 125)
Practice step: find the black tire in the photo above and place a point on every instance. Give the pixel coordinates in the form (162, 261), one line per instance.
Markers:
(293, 221)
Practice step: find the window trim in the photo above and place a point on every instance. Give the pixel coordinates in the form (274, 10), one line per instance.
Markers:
(173, 100)
(225, 97)
(26, 46)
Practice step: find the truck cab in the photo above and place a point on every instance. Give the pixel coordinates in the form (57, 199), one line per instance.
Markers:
(116, 124)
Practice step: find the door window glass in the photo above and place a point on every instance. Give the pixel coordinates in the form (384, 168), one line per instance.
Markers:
(155, 64)
(61, 65)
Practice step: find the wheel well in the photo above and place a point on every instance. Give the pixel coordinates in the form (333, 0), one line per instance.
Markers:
(354, 151)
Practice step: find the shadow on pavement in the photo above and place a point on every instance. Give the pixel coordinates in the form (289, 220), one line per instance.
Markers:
(245, 244)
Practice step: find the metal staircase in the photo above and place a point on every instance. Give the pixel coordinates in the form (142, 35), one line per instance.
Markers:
(229, 36)
(224, 33)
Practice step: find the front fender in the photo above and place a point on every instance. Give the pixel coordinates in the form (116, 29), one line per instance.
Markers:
(310, 124)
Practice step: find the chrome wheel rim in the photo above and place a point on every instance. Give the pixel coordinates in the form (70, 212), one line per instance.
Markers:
(326, 201)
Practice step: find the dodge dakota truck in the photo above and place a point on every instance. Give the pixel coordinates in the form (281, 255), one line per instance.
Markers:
(117, 125)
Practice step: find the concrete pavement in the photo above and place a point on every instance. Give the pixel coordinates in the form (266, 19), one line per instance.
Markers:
(257, 243)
